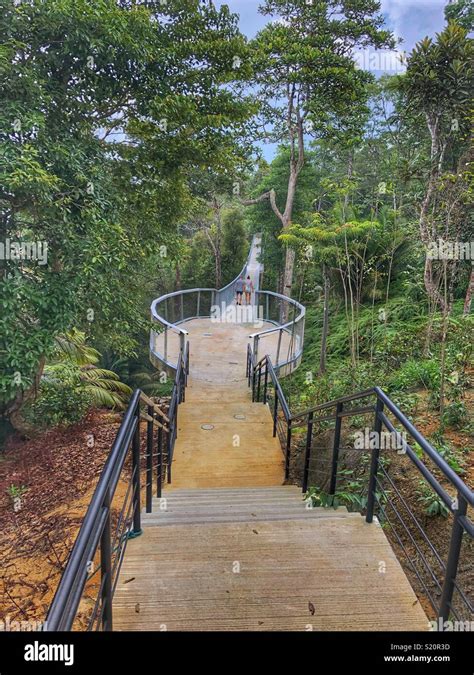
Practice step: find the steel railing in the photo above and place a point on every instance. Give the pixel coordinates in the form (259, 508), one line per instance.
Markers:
(170, 313)
(84, 597)
(331, 466)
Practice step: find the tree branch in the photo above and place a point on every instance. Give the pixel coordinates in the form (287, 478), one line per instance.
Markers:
(271, 197)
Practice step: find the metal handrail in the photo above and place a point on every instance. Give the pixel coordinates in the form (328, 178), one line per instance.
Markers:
(95, 531)
(264, 371)
(288, 327)
(290, 301)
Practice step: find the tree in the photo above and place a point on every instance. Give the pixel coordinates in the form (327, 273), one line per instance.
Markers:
(460, 11)
(107, 107)
(308, 82)
(438, 88)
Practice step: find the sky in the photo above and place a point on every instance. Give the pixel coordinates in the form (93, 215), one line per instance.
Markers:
(409, 20)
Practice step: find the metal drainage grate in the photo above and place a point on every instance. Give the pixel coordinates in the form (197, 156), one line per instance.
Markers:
(207, 427)
(239, 416)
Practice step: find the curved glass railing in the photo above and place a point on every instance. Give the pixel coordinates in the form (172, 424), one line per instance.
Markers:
(287, 338)
(170, 312)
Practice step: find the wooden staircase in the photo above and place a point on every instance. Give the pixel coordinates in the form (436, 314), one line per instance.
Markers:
(235, 505)
(260, 560)
(228, 547)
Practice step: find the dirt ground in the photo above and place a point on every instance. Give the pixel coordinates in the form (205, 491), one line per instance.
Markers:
(58, 471)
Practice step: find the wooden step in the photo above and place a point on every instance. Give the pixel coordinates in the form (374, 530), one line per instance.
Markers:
(233, 505)
(320, 574)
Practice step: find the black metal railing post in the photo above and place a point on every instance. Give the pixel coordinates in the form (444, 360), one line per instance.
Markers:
(149, 459)
(106, 570)
(265, 383)
(159, 474)
(453, 560)
(136, 477)
(335, 449)
(254, 375)
(275, 414)
(374, 464)
(307, 457)
(259, 383)
(288, 450)
(168, 451)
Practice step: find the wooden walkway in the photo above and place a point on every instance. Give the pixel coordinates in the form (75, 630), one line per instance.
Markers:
(230, 548)
(273, 569)
(238, 451)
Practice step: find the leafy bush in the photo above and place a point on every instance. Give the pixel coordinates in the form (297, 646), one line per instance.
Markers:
(61, 400)
(432, 503)
(455, 415)
(414, 374)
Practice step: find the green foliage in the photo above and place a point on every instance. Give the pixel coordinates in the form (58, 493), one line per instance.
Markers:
(432, 504)
(453, 458)
(62, 399)
(349, 496)
(16, 492)
(462, 12)
(75, 74)
(413, 374)
(455, 415)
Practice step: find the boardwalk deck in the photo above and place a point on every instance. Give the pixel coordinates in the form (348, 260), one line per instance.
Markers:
(266, 575)
(236, 550)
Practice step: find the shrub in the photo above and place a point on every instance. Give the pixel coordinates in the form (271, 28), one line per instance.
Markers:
(455, 415)
(61, 400)
(414, 374)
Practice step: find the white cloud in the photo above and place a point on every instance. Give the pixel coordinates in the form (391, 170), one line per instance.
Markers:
(411, 20)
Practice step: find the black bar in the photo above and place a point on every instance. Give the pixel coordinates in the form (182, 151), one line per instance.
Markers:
(159, 477)
(275, 414)
(335, 448)
(441, 463)
(265, 384)
(136, 476)
(259, 383)
(62, 598)
(453, 560)
(168, 451)
(106, 571)
(374, 464)
(149, 460)
(309, 439)
(288, 451)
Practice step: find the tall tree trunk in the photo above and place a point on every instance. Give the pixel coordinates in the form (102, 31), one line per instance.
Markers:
(297, 159)
(324, 336)
(469, 292)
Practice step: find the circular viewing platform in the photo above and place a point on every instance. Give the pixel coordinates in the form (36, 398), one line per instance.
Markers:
(218, 350)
